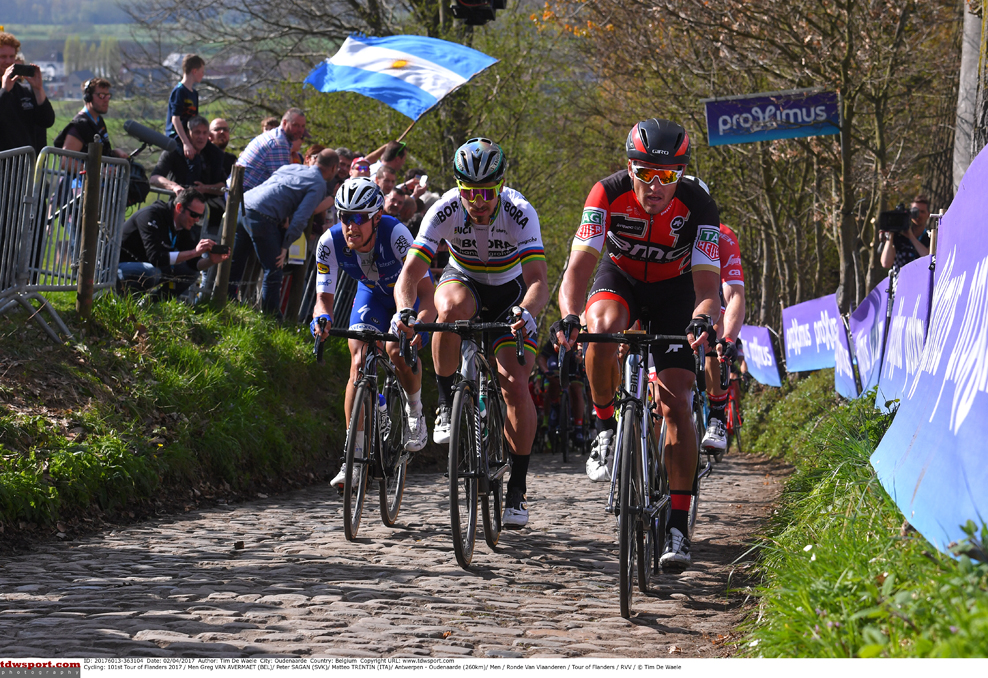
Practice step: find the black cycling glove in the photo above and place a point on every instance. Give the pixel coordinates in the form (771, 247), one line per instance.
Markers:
(730, 351)
(566, 326)
(699, 325)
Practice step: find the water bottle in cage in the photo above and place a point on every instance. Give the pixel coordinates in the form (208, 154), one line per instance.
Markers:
(384, 421)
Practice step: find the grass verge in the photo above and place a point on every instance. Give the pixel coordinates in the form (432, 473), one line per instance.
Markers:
(159, 402)
(842, 575)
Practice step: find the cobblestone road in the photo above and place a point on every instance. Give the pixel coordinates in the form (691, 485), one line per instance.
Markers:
(178, 587)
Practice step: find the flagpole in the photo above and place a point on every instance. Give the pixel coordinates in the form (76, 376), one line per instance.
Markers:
(405, 133)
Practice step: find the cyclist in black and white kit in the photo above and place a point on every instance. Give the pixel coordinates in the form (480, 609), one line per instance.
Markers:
(496, 261)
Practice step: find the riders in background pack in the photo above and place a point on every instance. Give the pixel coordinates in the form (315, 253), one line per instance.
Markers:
(663, 267)
(183, 102)
(371, 247)
(548, 362)
(88, 122)
(496, 262)
(25, 109)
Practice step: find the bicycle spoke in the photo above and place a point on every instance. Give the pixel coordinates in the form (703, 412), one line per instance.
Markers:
(359, 445)
(392, 455)
(463, 465)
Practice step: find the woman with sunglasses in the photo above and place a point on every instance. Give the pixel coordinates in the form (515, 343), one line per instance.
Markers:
(370, 247)
(663, 268)
(496, 261)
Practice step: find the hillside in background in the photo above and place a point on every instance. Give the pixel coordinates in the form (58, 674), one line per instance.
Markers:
(63, 12)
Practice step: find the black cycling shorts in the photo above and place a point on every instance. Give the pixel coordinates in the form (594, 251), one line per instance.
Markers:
(663, 307)
(493, 302)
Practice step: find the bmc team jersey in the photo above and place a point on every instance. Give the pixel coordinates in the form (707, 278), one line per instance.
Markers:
(651, 247)
(731, 272)
(377, 270)
(492, 254)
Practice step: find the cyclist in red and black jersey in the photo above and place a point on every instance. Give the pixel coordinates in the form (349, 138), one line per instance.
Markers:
(663, 267)
(732, 307)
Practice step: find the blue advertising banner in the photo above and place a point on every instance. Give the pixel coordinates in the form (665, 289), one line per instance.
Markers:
(907, 331)
(758, 353)
(933, 460)
(772, 115)
(867, 325)
(811, 331)
(844, 382)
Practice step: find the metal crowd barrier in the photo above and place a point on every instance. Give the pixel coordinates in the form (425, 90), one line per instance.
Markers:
(16, 167)
(52, 238)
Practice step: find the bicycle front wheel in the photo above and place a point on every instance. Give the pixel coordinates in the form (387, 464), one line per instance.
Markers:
(629, 525)
(392, 454)
(564, 415)
(699, 420)
(463, 466)
(493, 500)
(360, 439)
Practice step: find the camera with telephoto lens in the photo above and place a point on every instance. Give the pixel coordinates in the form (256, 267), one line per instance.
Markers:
(897, 220)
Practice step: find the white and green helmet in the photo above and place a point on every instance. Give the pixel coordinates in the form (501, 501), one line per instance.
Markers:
(479, 161)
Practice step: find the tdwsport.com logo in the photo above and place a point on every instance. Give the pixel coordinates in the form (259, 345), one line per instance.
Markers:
(39, 669)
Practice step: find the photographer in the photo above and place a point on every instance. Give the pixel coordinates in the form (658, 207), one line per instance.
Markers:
(25, 111)
(157, 246)
(912, 242)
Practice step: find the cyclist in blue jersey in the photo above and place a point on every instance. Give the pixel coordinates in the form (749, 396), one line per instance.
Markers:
(370, 247)
(496, 262)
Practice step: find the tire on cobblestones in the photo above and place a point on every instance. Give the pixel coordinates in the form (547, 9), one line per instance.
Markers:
(362, 422)
(492, 501)
(629, 528)
(392, 455)
(463, 475)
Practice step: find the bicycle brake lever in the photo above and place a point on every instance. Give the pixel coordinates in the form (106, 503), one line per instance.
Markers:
(320, 344)
(725, 373)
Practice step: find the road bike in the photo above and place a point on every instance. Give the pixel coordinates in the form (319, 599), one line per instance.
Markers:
(379, 407)
(639, 493)
(478, 456)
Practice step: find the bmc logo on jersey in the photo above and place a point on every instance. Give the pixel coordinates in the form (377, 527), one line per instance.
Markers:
(708, 243)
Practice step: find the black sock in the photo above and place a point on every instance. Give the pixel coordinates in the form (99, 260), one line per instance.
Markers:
(605, 424)
(680, 520)
(446, 389)
(519, 470)
(718, 409)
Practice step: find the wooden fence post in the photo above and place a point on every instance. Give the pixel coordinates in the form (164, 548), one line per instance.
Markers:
(229, 230)
(90, 231)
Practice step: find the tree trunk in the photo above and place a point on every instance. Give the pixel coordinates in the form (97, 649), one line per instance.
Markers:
(967, 92)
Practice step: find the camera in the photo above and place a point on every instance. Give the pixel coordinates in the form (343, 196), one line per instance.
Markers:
(26, 70)
(897, 220)
(220, 249)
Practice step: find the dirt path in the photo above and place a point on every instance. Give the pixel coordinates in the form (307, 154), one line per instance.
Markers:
(177, 586)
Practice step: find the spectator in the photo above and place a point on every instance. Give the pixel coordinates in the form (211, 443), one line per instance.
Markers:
(157, 245)
(409, 208)
(25, 109)
(393, 203)
(385, 178)
(311, 152)
(912, 243)
(359, 167)
(203, 171)
(79, 133)
(183, 103)
(293, 191)
(219, 136)
(268, 124)
(391, 154)
(346, 157)
(270, 150)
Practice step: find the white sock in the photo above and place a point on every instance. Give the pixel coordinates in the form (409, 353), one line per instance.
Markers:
(415, 404)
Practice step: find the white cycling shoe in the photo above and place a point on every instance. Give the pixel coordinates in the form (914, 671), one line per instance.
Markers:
(601, 457)
(418, 434)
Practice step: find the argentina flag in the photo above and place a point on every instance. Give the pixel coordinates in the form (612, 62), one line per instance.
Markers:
(409, 73)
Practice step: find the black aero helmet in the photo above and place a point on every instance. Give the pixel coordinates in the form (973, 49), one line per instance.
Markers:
(660, 142)
(479, 161)
(359, 194)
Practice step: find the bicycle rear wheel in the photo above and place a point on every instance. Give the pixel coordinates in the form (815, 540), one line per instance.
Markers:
(361, 430)
(736, 418)
(392, 454)
(492, 501)
(463, 466)
(629, 525)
